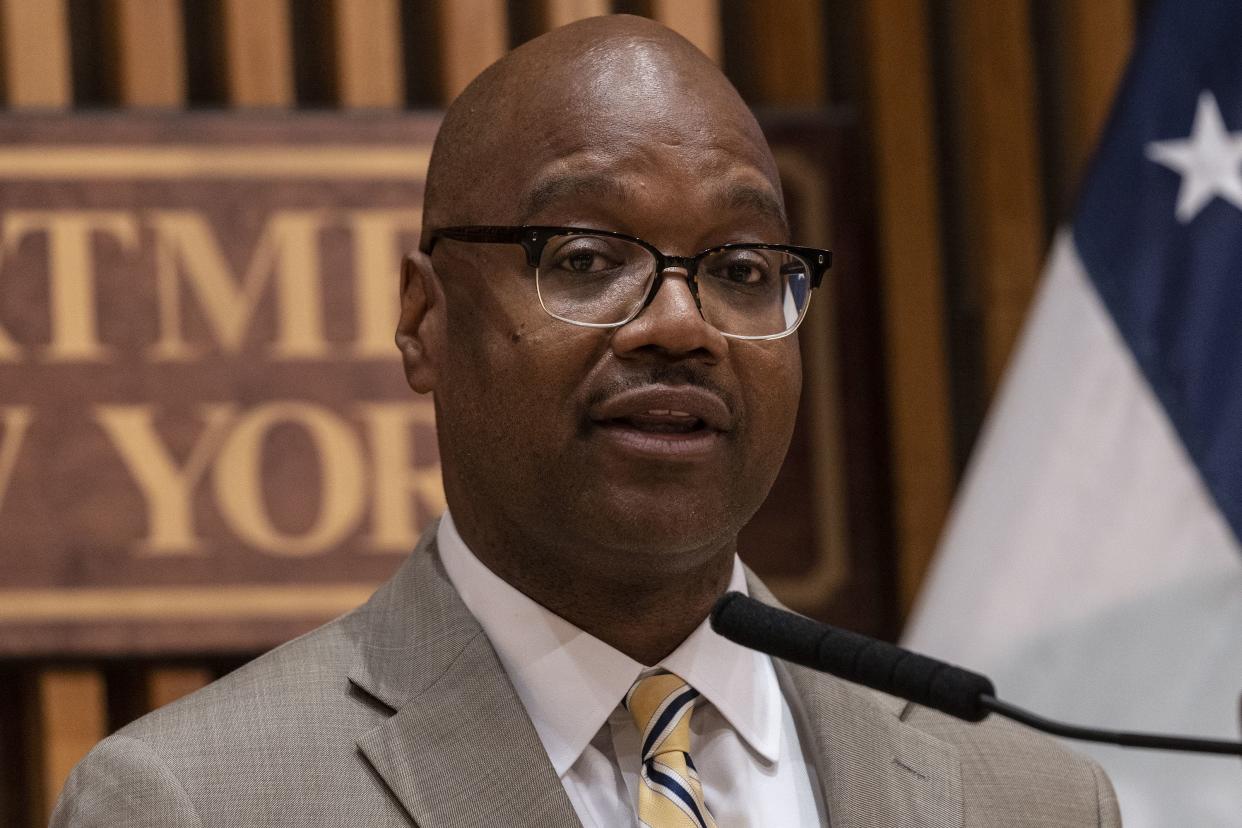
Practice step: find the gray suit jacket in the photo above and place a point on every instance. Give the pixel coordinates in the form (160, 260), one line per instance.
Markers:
(400, 711)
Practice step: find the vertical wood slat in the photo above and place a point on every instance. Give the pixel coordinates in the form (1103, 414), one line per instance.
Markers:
(35, 44)
(554, 13)
(473, 34)
(368, 53)
(72, 718)
(167, 684)
(1097, 40)
(901, 123)
(258, 53)
(997, 160)
(696, 20)
(150, 50)
(789, 52)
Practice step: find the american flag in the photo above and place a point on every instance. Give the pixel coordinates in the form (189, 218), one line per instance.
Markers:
(1093, 564)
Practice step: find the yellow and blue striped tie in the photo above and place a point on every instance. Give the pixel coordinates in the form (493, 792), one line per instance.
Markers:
(669, 792)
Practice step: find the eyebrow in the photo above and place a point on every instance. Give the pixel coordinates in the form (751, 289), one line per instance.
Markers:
(738, 196)
(551, 190)
(758, 199)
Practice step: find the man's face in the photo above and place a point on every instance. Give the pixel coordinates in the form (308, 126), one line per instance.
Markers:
(640, 448)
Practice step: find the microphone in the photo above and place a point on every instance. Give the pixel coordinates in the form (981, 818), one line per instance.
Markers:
(911, 676)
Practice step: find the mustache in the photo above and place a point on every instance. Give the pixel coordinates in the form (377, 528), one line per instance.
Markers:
(672, 375)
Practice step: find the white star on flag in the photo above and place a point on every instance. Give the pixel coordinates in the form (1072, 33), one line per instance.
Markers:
(1209, 161)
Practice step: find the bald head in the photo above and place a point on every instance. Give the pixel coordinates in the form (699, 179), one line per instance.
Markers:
(599, 87)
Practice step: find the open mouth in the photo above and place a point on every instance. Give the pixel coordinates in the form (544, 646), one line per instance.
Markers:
(663, 422)
(660, 421)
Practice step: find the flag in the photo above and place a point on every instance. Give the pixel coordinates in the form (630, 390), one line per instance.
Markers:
(1092, 564)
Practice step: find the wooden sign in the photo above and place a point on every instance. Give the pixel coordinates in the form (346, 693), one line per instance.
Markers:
(205, 439)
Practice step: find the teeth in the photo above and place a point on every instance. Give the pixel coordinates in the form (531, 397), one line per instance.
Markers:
(666, 412)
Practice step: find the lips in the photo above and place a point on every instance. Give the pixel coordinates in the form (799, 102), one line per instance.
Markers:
(665, 409)
(663, 422)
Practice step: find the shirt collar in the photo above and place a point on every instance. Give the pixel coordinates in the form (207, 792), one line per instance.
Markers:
(570, 682)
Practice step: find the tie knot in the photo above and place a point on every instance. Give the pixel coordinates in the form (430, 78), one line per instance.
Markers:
(661, 705)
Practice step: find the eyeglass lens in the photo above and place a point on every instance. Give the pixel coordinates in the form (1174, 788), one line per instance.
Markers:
(600, 280)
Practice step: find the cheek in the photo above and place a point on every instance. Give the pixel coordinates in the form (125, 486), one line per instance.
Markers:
(774, 379)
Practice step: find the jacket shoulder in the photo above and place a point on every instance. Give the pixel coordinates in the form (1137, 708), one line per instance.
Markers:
(1011, 772)
(279, 726)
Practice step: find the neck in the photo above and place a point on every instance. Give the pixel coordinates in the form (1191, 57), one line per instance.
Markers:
(643, 611)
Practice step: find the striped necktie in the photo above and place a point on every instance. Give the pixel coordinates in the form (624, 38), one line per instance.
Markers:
(669, 792)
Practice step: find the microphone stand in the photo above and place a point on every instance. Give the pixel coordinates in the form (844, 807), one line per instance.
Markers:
(1110, 737)
(908, 675)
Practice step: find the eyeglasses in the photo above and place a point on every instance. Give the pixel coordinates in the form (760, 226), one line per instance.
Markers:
(602, 279)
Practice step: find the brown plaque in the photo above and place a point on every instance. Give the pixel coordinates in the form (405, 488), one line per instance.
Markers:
(205, 440)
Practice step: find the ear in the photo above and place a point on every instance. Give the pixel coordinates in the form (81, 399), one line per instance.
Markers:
(420, 331)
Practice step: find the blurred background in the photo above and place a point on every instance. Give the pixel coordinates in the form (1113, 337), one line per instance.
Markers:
(936, 146)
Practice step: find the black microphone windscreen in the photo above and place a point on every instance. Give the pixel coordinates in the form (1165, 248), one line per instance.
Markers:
(853, 657)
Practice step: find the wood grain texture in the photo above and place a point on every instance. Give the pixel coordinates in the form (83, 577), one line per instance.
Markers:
(903, 147)
(167, 684)
(367, 40)
(34, 35)
(696, 20)
(473, 34)
(554, 13)
(149, 43)
(1096, 40)
(258, 54)
(997, 161)
(789, 53)
(72, 717)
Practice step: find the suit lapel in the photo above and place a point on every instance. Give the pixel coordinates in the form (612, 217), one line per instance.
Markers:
(874, 769)
(459, 750)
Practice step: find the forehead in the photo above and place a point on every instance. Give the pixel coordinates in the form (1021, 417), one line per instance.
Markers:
(633, 124)
(566, 186)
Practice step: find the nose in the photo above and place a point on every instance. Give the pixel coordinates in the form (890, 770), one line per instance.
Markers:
(671, 324)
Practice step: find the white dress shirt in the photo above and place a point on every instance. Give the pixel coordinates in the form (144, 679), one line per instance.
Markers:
(743, 739)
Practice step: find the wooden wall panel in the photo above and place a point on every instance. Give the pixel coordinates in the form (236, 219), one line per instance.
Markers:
(901, 123)
(167, 684)
(366, 36)
(996, 159)
(258, 54)
(72, 705)
(789, 57)
(149, 43)
(1095, 42)
(36, 53)
(696, 20)
(554, 13)
(473, 35)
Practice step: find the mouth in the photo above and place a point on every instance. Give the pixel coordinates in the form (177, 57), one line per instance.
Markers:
(659, 421)
(665, 422)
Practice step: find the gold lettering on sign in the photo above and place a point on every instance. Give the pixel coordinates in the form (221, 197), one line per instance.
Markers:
(238, 478)
(167, 488)
(288, 249)
(16, 420)
(376, 234)
(397, 476)
(71, 272)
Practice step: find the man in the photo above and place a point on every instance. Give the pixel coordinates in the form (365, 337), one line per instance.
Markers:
(612, 409)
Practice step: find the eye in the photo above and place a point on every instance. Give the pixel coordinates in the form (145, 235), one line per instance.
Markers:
(583, 256)
(741, 267)
(580, 261)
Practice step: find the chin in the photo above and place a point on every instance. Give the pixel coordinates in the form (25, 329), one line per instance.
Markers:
(660, 536)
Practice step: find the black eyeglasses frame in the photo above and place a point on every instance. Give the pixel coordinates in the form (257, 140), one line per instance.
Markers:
(533, 239)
